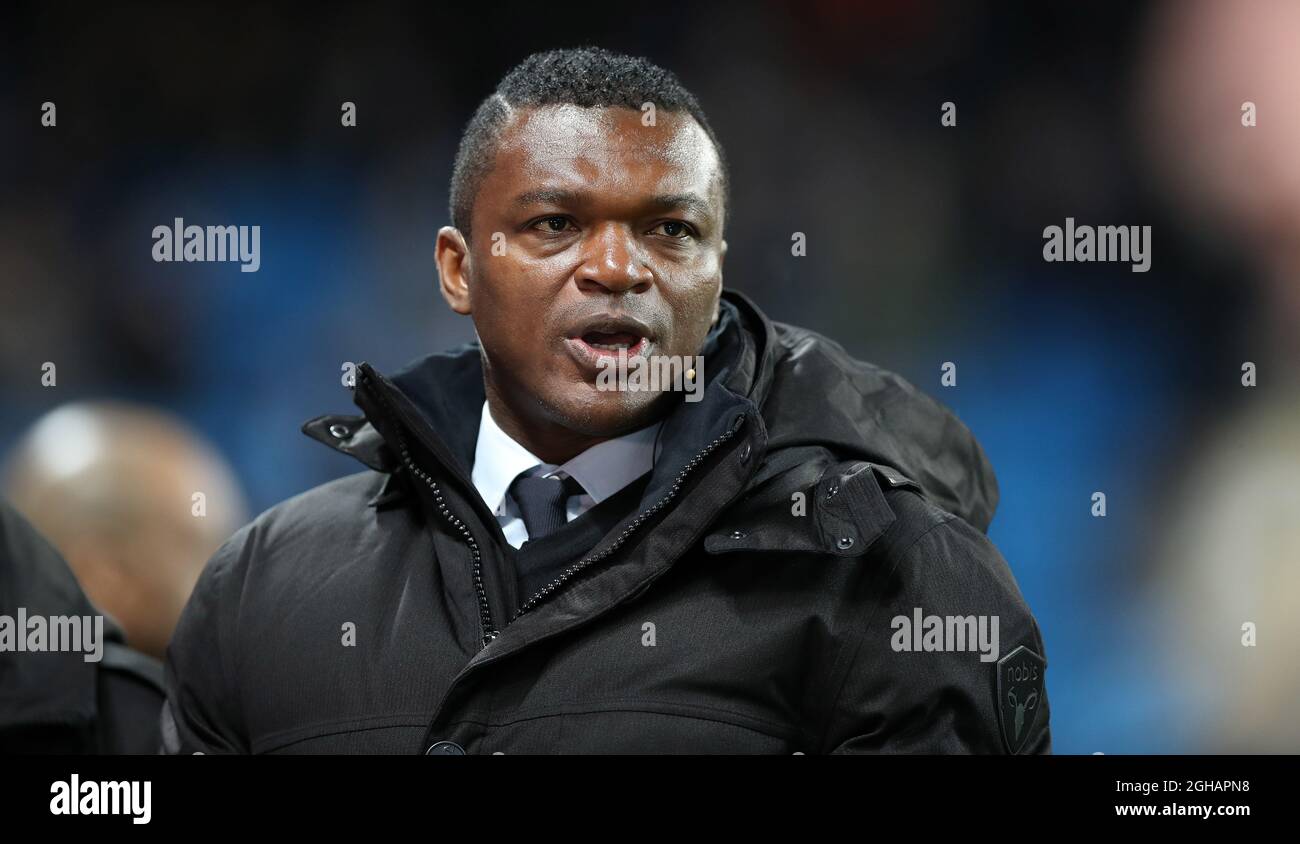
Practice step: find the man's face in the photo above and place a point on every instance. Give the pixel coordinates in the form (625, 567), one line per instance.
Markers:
(592, 232)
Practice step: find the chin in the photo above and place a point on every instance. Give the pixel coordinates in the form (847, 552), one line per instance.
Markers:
(596, 413)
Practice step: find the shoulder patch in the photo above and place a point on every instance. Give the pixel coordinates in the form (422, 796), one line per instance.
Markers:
(1020, 689)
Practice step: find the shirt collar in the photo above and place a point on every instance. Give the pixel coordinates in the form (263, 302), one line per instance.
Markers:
(603, 469)
(607, 467)
(498, 460)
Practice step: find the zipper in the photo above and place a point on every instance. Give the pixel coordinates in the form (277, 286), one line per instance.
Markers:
(488, 629)
(568, 574)
(484, 609)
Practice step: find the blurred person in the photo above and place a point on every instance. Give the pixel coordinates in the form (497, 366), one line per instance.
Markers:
(135, 500)
(749, 559)
(87, 693)
(1229, 555)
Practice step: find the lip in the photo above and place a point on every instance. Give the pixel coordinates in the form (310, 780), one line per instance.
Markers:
(611, 324)
(594, 359)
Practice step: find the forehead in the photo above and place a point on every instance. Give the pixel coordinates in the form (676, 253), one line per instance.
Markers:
(601, 148)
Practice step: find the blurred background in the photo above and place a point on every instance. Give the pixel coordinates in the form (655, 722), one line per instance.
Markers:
(924, 245)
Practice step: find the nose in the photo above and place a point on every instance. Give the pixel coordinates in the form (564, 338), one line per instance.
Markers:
(613, 261)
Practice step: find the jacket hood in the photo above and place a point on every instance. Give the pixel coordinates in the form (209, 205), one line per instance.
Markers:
(810, 393)
(819, 395)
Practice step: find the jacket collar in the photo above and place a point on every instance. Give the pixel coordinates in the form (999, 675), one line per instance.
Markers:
(441, 396)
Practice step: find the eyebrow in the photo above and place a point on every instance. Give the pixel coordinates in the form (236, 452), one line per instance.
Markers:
(547, 197)
(687, 201)
(559, 196)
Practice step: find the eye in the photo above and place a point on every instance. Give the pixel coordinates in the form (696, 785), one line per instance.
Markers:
(551, 225)
(675, 229)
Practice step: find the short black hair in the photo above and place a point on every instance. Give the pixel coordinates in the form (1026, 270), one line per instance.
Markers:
(581, 76)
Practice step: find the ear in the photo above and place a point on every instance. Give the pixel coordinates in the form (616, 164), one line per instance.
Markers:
(453, 260)
(717, 294)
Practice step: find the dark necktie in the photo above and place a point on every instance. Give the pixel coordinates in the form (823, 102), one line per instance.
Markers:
(541, 502)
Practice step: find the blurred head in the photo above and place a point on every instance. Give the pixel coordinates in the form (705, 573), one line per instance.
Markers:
(588, 204)
(135, 501)
(1204, 61)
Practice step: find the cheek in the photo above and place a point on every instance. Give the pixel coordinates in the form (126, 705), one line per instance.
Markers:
(500, 291)
(692, 305)
(520, 282)
(512, 302)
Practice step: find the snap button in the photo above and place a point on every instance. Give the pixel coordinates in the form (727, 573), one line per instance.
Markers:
(339, 431)
(845, 543)
(832, 491)
(744, 452)
(445, 748)
(737, 534)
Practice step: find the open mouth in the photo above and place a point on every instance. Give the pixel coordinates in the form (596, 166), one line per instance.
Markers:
(614, 341)
(600, 338)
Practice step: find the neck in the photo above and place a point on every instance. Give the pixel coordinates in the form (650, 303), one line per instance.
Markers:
(550, 441)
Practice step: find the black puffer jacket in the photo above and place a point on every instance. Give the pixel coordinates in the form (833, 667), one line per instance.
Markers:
(749, 604)
(55, 701)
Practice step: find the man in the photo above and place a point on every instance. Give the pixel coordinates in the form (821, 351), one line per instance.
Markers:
(135, 501)
(536, 563)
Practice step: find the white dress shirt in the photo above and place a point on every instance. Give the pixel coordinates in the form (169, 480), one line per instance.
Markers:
(603, 470)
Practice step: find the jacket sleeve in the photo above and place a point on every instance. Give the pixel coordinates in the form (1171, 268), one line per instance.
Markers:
(908, 692)
(202, 713)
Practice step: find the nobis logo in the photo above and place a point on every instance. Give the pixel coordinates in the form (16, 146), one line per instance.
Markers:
(1020, 693)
